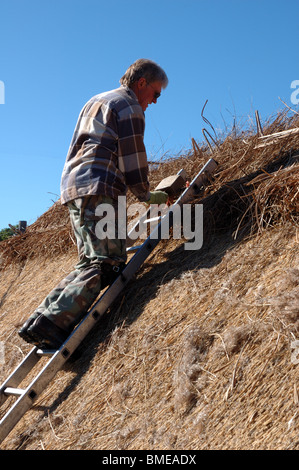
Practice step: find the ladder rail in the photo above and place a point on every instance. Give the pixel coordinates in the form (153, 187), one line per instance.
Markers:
(29, 395)
(21, 371)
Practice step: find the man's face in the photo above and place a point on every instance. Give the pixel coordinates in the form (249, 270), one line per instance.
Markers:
(147, 93)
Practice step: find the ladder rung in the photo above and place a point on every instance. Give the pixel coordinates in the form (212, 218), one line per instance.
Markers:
(153, 219)
(133, 248)
(45, 352)
(14, 391)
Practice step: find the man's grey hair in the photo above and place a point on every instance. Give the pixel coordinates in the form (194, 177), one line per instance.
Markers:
(144, 68)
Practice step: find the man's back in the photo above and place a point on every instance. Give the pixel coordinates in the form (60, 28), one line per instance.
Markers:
(107, 152)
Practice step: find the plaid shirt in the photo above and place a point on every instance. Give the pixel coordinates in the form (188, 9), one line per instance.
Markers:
(107, 153)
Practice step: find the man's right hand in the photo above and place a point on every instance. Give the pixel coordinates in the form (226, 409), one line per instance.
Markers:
(157, 197)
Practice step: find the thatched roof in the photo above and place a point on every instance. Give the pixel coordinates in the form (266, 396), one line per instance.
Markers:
(255, 187)
(196, 353)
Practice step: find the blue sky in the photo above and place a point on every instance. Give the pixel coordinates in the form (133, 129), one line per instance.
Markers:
(54, 55)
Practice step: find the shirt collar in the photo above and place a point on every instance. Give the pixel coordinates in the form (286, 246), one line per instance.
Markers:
(130, 91)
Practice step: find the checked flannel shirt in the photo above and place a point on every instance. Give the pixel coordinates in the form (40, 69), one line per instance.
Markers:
(107, 153)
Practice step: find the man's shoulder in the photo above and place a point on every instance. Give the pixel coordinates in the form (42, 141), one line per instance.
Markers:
(121, 96)
(121, 101)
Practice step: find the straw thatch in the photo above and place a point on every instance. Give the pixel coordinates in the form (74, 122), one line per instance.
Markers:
(198, 352)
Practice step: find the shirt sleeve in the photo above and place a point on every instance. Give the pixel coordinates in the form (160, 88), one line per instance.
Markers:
(131, 151)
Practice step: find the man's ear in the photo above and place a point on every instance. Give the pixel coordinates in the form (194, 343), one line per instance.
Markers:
(141, 82)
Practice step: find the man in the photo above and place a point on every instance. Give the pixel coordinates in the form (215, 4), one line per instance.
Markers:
(106, 157)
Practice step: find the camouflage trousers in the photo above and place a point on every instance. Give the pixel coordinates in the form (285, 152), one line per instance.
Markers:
(67, 303)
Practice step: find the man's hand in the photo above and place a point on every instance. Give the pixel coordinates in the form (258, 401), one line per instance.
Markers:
(157, 197)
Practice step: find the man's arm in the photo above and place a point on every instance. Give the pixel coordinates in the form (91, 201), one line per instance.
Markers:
(132, 154)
